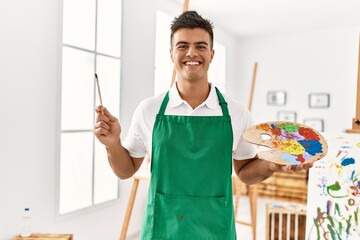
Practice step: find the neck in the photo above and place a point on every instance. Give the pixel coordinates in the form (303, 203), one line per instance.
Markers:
(194, 93)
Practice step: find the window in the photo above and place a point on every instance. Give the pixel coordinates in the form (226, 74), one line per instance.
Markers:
(164, 66)
(217, 69)
(91, 44)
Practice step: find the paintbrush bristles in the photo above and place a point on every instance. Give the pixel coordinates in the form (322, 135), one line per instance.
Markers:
(98, 87)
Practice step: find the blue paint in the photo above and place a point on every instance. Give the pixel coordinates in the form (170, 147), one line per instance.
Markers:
(352, 175)
(311, 146)
(347, 161)
(328, 207)
(291, 159)
(307, 156)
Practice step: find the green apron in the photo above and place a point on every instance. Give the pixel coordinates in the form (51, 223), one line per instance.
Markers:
(190, 194)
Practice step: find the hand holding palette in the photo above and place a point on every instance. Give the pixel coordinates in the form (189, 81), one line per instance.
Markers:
(289, 142)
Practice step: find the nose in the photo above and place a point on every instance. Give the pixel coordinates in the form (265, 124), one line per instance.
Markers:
(191, 52)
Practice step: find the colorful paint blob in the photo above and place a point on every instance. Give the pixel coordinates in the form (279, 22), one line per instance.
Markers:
(290, 143)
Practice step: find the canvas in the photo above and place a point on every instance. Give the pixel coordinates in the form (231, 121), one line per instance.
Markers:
(334, 191)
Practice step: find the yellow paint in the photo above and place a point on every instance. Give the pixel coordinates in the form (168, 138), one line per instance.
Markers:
(292, 147)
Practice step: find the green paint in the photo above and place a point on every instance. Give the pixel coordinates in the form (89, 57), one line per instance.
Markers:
(316, 223)
(337, 209)
(289, 127)
(332, 232)
(331, 220)
(348, 225)
(340, 228)
(335, 187)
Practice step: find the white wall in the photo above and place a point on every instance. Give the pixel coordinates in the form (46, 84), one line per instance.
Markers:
(30, 74)
(30, 79)
(302, 63)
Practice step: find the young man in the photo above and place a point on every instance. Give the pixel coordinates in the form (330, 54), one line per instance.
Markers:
(192, 134)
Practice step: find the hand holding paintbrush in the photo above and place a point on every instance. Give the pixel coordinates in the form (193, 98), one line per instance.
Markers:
(107, 127)
(98, 88)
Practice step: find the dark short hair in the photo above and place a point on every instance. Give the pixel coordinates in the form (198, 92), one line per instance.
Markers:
(191, 19)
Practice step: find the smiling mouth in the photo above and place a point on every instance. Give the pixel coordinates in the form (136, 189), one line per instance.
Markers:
(192, 63)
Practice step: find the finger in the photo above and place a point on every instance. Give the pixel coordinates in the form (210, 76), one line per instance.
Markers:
(299, 167)
(294, 168)
(308, 165)
(286, 168)
(101, 110)
(102, 118)
(102, 124)
(110, 116)
(98, 132)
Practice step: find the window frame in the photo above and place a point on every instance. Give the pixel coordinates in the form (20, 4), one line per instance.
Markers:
(59, 131)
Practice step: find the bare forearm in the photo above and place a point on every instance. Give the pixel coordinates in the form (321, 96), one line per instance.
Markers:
(120, 161)
(256, 171)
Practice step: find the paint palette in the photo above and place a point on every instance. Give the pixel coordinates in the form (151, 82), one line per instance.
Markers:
(289, 142)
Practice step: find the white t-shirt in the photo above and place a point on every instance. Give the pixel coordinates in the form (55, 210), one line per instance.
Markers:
(139, 138)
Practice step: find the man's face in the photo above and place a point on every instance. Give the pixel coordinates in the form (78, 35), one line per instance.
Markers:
(191, 53)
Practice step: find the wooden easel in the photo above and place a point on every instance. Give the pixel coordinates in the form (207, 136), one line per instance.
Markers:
(238, 186)
(356, 119)
(185, 8)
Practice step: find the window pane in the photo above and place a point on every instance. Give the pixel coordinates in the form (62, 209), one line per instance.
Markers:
(109, 27)
(108, 71)
(217, 71)
(105, 182)
(77, 105)
(79, 23)
(75, 171)
(163, 64)
(163, 77)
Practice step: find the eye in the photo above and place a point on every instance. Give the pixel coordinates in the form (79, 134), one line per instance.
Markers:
(182, 46)
(202, 47)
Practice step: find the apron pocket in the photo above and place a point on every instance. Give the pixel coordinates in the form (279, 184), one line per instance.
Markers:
(181, 217)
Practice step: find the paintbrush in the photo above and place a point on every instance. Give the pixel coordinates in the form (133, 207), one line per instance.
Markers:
(98, 88)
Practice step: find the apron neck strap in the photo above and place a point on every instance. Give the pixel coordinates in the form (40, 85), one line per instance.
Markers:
(164, 104)
(222, 101)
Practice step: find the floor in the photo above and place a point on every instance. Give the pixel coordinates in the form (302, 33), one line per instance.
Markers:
(244, 232)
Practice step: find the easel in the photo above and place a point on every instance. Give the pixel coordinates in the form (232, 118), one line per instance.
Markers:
(137, 177)
(356, 120)
(238, 185)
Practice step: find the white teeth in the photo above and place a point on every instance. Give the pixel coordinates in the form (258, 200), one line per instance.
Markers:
(192, 63)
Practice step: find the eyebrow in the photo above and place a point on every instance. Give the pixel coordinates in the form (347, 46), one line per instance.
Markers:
(197, 43)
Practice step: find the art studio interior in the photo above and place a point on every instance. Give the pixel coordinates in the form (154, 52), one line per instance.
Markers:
(286, 61)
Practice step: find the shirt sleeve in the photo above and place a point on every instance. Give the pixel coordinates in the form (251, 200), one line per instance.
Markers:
(134, 141)
(245, 150)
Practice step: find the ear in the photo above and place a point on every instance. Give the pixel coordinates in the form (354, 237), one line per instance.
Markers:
(171, 55)
(212, 55)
